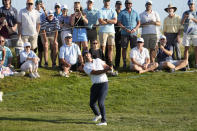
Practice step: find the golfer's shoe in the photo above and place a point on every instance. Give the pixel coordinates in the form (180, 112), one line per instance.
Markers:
(96, 118)
(102, 124)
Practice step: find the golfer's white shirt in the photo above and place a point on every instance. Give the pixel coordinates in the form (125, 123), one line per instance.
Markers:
(139, 57)
(97, 64)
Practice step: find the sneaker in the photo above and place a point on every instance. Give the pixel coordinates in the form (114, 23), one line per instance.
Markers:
(183, 69)
(102, 124)
(63, 74)
(96, 118)
(46, 65)
(1, 96)
(54, 66)
(36, 75)
(31, 75)
(22, 73)
(1, 76)
(172, 70)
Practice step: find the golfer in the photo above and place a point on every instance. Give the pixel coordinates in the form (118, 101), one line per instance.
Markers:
(97, 69)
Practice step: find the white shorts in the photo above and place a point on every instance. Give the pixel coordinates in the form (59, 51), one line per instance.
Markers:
(189, 40)
(29, 65)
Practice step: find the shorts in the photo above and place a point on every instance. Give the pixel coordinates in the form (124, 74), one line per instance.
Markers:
(126, 39)
(79, 35)
(49, 40)
(174, 62)
(150, 40)
(189, 40)
(32, 40)
(29, 65)
(92, 35)
(108, 38)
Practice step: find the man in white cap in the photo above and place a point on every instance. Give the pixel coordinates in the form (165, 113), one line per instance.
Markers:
(150, 22)
(91, 15)
(69, 55)
(140, 58)
(172, 30)
(29, 61)
(49, 29)
(164, 57)
(189, 21)
(29, 24)
(57, 12)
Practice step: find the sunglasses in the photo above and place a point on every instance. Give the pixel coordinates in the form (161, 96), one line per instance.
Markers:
(140, 42)
(94, 43)
(128, 3)
(27, 47)
(57, 7)
(69, 37)
(30, 4)
(162, 39)
(1, 41)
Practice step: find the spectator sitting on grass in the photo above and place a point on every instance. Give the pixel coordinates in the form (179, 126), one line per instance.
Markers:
(6, 69)
(29, 61)
(164, 57)
(140, 58)
(95, 51)
(69, 54)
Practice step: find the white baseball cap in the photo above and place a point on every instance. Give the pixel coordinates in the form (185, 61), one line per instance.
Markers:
(91, 1)
(140, 40)
(162, 37)
(58, 4)
(27, 44)
(149, 1)
(50, 12)
(67, 35)
(64, 7)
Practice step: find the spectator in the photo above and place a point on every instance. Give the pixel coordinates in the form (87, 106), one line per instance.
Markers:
(57, 12)
(6, 67)
(29, 61)
(95, 51)
(91, 15)
(189, 20)
(107, 18)
(78, 21)
(65, 24)
(150, 23)
(129, 21)
(172, 30)
(29, 24)
(164, 57)
(97, 69)
(140, 58)
(69, 55)
(8, 22)
(49, 29)
(43, 14)
(118, 7)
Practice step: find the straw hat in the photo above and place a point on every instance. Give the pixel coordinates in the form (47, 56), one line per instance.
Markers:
(170, 6)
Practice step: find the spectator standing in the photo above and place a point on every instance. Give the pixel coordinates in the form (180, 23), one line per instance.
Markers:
(150, 22)
(172, 30)
(118, 7)
(189, 20)
(107, 18)
(78, 21)
(29, 24)
(96, 69)
(92, 16)
(42, 12)
(140, 58)
(49, 29)
(8, 22)
(129, 21)
(69, 55)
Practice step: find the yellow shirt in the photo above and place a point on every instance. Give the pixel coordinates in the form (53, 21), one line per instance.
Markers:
(172, 25)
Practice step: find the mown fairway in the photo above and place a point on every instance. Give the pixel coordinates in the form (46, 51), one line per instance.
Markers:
(149, 102)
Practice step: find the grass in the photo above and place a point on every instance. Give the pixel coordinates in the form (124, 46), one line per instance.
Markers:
(152, 101)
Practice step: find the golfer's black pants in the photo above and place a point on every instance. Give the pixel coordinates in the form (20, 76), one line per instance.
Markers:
(98, 93)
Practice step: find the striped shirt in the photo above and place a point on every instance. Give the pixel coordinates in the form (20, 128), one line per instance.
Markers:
(50, 26)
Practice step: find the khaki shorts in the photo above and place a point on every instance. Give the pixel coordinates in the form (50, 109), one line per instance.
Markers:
(150, 40)
(108, 38)
(32, 40)
(49, 40)
(189, 40)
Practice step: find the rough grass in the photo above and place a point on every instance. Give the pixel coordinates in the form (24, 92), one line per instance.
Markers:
(152, 101)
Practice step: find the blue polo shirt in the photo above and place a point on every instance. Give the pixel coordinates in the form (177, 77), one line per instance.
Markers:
(188, 22)
(92, 16)
(109, 14)
(162, 56)
(8, 55)
(129, 20)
